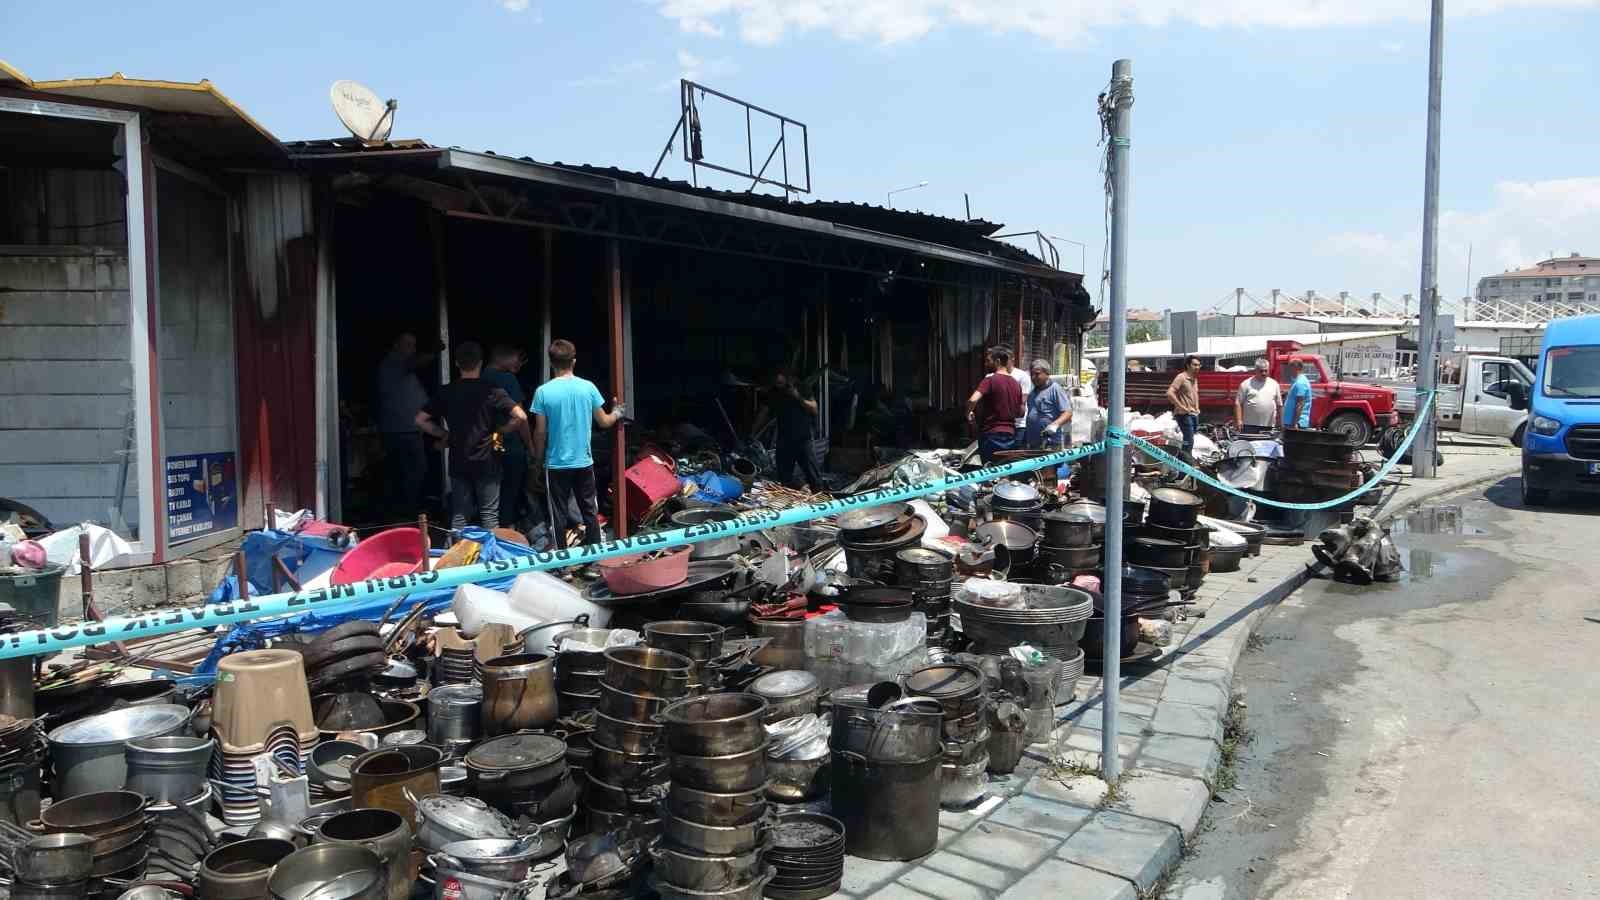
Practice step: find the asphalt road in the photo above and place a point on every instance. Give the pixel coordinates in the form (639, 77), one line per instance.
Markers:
(1435, 738)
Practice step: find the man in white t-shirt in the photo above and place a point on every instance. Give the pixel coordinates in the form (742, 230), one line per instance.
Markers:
(1023, 381)
(1260, 399)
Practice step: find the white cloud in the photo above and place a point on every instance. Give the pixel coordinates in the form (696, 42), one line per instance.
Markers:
(1527, 222)
(515, 6)
(1061, 21)
(696, 68)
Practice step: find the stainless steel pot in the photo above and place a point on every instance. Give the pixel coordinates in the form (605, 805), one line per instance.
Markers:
(503, 859)
(89, 754)
(706, 873)
(716, 725)
(54, 859)
(519, 692)
(454, 714)
(168, 769)
(903, 732)
(445, 819)
(648, 671)
(624, 769)
(516, 763)
(788, 694)
(630, 707)
(630, 736)
(704, 520)
(714, 840)
(890, 810)
(331, 872)
(382, 831)
(385, 778)
(1066, 529)
(241, 870)
(729, 773)
(716, 808)
(700, 641)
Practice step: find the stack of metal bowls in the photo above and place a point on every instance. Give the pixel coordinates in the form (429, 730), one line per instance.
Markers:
(701, 642)
(807, 855)
(1052, 620)
(579, 672)
(959, 691)
(928, 574)
(874, 536)
(714, 831)
(1017, 502)
(627, 772)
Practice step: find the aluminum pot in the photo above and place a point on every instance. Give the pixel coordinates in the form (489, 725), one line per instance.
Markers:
(1158, 552)
(519, 692)
(100, 815)
(900, 732)
(54, 859)
(516, 763)
(632, 737)
(454, 713)
(727, 774)
(751, 890)
(702, 519)
(700, 641)
(241, 870)
(168, 769)
(384, 778)
(788, 694)
(452, 883)
(648, 671)
(630, 707)
(384, 832)
(715, 808)
(714, 840)
(89, 754)
(614, 798)
(331, 872)
(1065, 529)
(443, 819)
(1174, 508)
(627, 770)
(503, 859)
(1073, 559)
(706, 872)
(716, 725)
(576, 660)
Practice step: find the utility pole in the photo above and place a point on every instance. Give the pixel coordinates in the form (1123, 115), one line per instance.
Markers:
(1428, 328)
(1119, 103)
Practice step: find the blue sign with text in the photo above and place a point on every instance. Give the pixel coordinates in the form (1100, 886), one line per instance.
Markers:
(202, 495)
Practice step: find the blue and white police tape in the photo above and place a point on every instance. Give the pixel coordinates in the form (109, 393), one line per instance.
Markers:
(267, 606)
(1172, 462)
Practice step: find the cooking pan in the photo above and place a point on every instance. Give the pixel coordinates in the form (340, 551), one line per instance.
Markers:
(1174, 507)
(1153, 551)
(875, 523)
(1072, 559)
(1228, 559)
(1064, 529)
(863, 603)
(1093, 642)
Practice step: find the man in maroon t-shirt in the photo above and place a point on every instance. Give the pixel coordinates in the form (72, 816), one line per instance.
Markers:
(995, 406)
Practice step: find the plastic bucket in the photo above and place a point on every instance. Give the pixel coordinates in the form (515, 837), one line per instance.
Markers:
(35, 596)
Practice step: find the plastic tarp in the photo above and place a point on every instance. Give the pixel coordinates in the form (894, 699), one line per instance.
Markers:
(302, 554)
(105, 547)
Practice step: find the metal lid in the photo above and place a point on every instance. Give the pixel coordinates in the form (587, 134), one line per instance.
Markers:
(784, 684)
(465, 815)
(1016, 492)
(922, 556)
(511, 752)
(873, 517)
(121, 725)
(1175, 496)
(950, 680)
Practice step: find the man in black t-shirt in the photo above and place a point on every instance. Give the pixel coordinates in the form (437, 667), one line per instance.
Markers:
(474, 413)
(795, 417)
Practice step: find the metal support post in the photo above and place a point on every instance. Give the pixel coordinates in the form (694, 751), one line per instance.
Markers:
(619, 378)
(1428, 327)
(1119, 99)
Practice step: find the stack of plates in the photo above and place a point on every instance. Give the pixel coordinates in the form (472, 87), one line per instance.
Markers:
(235, 770)
(807, 850)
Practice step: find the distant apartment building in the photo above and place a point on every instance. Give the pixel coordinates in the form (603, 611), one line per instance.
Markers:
(1554, 288)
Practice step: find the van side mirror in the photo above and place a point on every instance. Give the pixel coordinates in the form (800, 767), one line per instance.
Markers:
(1516, 395)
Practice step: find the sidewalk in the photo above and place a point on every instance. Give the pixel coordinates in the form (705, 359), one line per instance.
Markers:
(1050, 829)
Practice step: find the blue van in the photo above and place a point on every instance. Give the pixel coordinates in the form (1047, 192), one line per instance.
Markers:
(1561, 445)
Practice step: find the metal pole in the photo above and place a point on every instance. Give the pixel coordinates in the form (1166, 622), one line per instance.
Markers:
(1428, 329)
(1121, 100)
(619, 377)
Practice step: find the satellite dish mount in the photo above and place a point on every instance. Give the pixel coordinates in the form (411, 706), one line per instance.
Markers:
(358, 107)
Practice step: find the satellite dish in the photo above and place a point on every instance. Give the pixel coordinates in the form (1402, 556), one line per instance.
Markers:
(367, 117)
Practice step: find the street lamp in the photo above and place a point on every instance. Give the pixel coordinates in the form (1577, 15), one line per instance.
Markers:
(890, 196)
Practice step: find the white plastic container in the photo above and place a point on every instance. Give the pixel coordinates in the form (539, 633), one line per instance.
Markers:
(549, 599)
(477, 606)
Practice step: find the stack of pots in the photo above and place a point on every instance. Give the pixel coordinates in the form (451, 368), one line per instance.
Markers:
(1174, 516)
(117, 825)
(701, 642)
(180, 836)
(579, 673)
(524, 776)
(627, 773)
(1052, 619)
(456, 661)
(714, 827)
(886, 776)
(20, 756)
(53, 866)
(872, 537)
(963, 702)
(1144, 590)
(90, 754)
(1014, 501)
(1070, 542)
(807, 856)
(261, 705)
(928, 574)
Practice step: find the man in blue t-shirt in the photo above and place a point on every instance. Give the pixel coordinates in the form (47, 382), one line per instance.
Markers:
(1297, 405)
(563, 409)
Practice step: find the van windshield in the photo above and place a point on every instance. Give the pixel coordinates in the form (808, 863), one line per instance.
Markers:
(1572, 372)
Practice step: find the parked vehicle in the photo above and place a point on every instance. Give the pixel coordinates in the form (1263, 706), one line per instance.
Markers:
(1350, 408)
(1561, 445)
(1475, 391)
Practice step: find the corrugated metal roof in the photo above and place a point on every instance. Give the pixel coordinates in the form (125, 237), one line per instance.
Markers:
(10, 76)
(1235, 345)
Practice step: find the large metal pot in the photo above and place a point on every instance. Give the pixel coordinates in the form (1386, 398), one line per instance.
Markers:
(383, 778)
(90, 754)
(648, 671)
(706, 872)
(715, 808)
(700, 641)
(702, 519)
(716, 725)
(714, 840)
(444, 820)
(786, 643)
(333, 871)
(382, 831)
(905, 731)
(1174, 508)
(788, 693)
(241, 870)
(100, 815)
(630, 707)
(729, 773)
(626, 735)
(453, 882)
(168, 769)
(627, 770)
(519, 692)
(454, 714)
(1067, 529)
(1159, 552)
(503, 859)
(890, 810)
(516, 763)
(54, 859)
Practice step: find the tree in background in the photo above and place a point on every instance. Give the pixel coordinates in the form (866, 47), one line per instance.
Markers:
(1138, 332)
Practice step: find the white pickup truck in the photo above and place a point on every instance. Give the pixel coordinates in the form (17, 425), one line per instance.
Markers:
(1475, 395)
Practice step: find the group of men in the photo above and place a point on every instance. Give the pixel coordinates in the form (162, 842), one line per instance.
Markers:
(1008, 402)
(1259, 406)
(482, 420)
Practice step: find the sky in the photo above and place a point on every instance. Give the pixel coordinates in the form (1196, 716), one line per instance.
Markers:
(1276, 143)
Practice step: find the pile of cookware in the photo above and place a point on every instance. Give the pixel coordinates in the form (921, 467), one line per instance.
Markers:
(1015, 501)
(886, 775)
(1172, 540)
(872, 537)
(627, 772)
(1145, 594)
(1316, 466)
(1073, 541)
(117, 824)
(807, 856)
(1052, 619)
(579, 672)
(89, 754)
(701, 642)
(927, 574)
(714, 827)
(261, 705)
(963, 701)
(344, 657)
(523, 775)
(519, 693)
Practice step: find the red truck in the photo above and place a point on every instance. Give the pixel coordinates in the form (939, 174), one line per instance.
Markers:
(1356, 410)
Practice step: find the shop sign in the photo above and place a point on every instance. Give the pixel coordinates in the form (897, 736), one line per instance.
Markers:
(202, 495)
